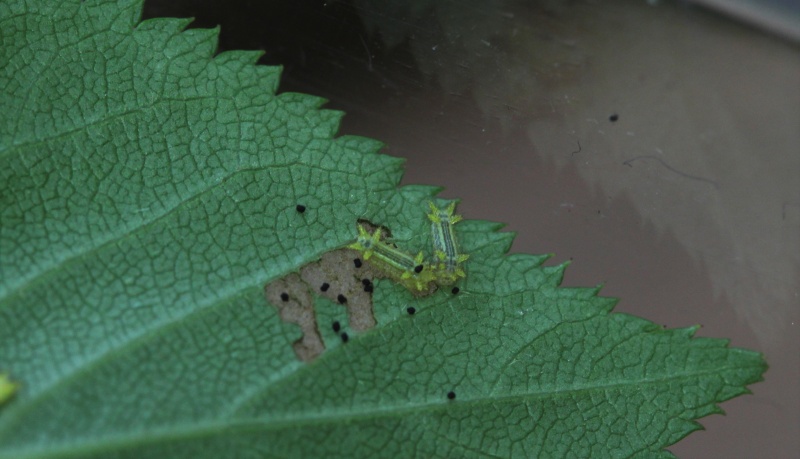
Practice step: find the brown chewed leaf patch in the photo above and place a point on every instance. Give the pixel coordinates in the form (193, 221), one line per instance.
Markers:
(343, 277)
(347, 276)
(295, 305)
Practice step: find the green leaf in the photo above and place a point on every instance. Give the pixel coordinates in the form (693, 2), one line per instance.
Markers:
(148, 193)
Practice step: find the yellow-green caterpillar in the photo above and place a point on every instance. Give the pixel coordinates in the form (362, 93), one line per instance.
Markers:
(7, 388)
(448, 260)
(413, 273)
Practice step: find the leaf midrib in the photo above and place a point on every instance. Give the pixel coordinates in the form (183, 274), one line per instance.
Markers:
(198, 430)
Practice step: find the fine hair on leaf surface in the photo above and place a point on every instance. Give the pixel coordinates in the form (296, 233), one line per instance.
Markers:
(152, 190)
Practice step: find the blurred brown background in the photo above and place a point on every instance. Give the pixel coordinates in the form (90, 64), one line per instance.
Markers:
(657, 145)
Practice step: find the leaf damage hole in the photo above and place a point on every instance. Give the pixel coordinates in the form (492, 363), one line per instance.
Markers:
(343, 277)
(334, 277)
(297, 308)
(336, 268)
